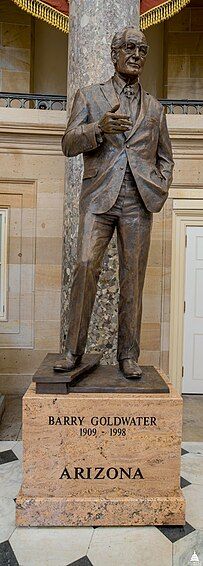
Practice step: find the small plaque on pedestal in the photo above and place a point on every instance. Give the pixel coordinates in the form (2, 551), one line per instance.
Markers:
(101, 458)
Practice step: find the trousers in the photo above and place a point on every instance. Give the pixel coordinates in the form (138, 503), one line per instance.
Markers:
(133, 223)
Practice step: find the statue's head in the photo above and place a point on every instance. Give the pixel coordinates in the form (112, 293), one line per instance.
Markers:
(128, 52)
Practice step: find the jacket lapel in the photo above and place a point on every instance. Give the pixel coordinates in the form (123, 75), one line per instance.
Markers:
(111, 97)
(144, 103)
(109, 93)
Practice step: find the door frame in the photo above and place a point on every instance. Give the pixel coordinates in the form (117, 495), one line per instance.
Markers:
(186, 212)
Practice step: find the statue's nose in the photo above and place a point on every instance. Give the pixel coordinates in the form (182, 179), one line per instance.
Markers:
(136, 53)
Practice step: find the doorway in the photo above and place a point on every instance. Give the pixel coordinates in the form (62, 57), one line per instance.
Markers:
(193, 312)
(187, 234)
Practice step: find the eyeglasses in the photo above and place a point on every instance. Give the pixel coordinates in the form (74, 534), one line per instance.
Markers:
(132, 47)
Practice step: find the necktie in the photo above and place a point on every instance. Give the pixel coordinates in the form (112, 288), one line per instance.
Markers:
(130, 101)
(129, 91)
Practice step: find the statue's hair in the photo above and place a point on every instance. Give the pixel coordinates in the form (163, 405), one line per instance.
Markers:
(118, 38)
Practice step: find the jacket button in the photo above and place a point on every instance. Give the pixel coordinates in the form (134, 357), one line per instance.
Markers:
(121, 168)
(127, 145)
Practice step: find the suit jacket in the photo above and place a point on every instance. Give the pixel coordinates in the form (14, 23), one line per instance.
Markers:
(146, 147)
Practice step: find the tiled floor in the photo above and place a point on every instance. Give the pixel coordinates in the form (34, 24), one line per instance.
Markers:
(115, 546)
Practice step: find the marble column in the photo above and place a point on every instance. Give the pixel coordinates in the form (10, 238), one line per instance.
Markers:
(92, 25)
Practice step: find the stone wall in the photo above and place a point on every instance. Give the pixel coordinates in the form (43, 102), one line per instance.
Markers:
(15, 48)
(33, 54)
(50, 59)
(32, 187)
(184, 53)
(153, 73)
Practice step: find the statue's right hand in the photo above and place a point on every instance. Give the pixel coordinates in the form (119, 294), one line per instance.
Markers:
(112, 123)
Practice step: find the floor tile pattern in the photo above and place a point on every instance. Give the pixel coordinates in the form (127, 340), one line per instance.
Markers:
(183, 452)
(7, 456)
(176, 533)
(112, 546)
(84, 561)
(7, 556)
(184, 483)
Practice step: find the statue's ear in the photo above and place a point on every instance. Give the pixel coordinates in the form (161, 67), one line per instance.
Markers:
(114, 57)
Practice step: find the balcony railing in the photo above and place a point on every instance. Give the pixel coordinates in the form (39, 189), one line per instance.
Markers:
(182, 106)
(56, 102)
(34, 101)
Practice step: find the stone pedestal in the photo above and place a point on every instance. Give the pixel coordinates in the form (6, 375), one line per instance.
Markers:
(101, 459)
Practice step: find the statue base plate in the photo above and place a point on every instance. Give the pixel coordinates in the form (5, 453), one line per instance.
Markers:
(90, 377)
(80, 512)
(101, 459)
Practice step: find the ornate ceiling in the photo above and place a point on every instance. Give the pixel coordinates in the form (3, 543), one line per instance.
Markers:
(55, 12)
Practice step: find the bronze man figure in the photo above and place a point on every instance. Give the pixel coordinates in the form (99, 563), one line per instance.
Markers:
(121, 131)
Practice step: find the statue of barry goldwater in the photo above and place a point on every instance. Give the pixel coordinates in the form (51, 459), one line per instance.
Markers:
(121, 131)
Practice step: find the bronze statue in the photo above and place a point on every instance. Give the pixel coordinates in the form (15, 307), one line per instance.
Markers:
(121, 131)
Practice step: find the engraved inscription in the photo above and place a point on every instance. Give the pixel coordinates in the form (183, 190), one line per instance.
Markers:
(113, 425)
(109, 421)
(97, 473)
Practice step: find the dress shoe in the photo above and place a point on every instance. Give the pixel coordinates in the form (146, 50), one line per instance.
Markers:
(130, 368)
(70, 362)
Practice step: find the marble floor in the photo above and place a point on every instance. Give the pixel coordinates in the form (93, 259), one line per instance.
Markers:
(115, 546)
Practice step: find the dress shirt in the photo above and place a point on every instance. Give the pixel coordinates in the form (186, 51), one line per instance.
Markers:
(130, 105)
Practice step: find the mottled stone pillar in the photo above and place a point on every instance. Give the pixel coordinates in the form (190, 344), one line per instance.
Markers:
(92, 25)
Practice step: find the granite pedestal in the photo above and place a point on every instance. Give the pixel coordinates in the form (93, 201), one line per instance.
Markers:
(101, 459)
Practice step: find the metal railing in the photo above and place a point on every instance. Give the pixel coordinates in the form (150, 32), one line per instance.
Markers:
(56, 102)
(34, 101)
(182, 106)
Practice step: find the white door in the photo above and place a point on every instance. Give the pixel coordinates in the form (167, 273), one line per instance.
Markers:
(193, 317)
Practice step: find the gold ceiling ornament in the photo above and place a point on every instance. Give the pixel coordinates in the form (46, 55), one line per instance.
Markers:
(161, 12)
(45, 12)
(60, 20)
